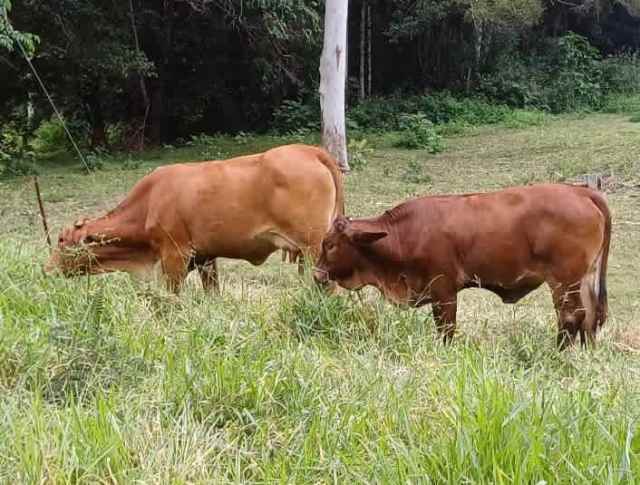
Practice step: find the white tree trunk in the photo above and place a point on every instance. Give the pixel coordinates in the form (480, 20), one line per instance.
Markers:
(363, 22)
(333, 69)
(369, 41)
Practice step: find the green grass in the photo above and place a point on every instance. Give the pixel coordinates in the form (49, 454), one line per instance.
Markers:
(108, 379)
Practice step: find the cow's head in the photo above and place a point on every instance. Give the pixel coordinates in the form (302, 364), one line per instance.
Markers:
(84, 248)
(344, 254)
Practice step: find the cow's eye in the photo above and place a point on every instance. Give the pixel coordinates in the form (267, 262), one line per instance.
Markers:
(329, 246)
(89, 239)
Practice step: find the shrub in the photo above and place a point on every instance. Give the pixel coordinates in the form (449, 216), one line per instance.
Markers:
(521, 118)
(131, 163)
(381, 114)
(49, 139)
(358, 152)
(208, 145)
(95, 160)
(117, 135)
(515, 82)
(621, 73)
(445, 108)
(296, 116)
(414, 173)
(418, 132)
(621, 103)
(566, 74)
(575, 75)
(15, 157)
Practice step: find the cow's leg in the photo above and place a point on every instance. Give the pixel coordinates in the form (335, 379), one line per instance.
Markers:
(174, 266)
(209, 275)
(570, 311)
(445, 307)
(589, 302)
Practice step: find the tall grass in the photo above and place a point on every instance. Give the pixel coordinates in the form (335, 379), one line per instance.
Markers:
(109, 380)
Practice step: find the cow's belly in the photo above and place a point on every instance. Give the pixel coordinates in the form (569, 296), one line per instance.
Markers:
(509, 283)
(251, 250)
(510, 292)
(254, 248)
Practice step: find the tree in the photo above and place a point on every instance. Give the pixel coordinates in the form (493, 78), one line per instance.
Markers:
(633, 6)
(9, 36)
(489, 15)
(333, 69)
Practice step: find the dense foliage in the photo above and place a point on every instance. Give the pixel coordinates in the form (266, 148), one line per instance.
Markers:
(129, 74)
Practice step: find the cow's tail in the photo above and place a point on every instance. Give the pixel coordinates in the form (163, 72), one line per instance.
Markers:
(332, 165)
(600, 280)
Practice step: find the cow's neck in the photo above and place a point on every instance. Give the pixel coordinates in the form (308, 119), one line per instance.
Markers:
(119, 226)
(385, 268)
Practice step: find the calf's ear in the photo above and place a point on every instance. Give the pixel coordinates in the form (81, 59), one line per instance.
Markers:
(363, 238)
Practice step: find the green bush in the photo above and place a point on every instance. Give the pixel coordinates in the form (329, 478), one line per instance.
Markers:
(515, 82)
(296, 116)
(49, 139)
(621, 103)
(117, 135)
(576, 75)
(414, 173)
(621, 73)
(566, 74)
(418, 132)
(358, 151)
(521, 118)
(443, 108)
(95, 160)
(15, 156)
(382, 114)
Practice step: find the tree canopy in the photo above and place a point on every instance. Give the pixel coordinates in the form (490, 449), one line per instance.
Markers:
(158, 71)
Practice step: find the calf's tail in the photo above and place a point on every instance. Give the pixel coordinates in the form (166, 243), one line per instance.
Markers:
(600, 280)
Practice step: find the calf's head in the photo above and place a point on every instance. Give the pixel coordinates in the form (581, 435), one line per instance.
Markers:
(344, 256)
(84, 248)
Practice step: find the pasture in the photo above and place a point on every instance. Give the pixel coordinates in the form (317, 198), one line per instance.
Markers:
(111, 380)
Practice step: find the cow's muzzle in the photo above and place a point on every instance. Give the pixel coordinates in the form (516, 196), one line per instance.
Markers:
(53, 263)
(321, 277)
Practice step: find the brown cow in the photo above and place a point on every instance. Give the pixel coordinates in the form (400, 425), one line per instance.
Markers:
(187, 215)
(509, 242)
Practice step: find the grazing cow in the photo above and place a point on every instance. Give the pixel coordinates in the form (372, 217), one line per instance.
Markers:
(509, 242)
(187, 215)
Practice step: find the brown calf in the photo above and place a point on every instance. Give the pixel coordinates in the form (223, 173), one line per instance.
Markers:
(509, 242)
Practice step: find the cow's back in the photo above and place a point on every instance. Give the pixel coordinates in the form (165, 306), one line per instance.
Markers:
(229, 208)
(501, 236)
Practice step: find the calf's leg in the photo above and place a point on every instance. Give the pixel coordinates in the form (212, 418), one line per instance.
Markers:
(174, 266)
(570, 311)
(209, 275)
(589, 301)
(445, 307)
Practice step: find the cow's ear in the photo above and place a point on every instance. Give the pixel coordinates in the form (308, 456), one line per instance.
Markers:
(364, 238)
(340, 224)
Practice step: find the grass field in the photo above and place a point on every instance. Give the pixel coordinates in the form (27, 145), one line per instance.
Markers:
(111, 380)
